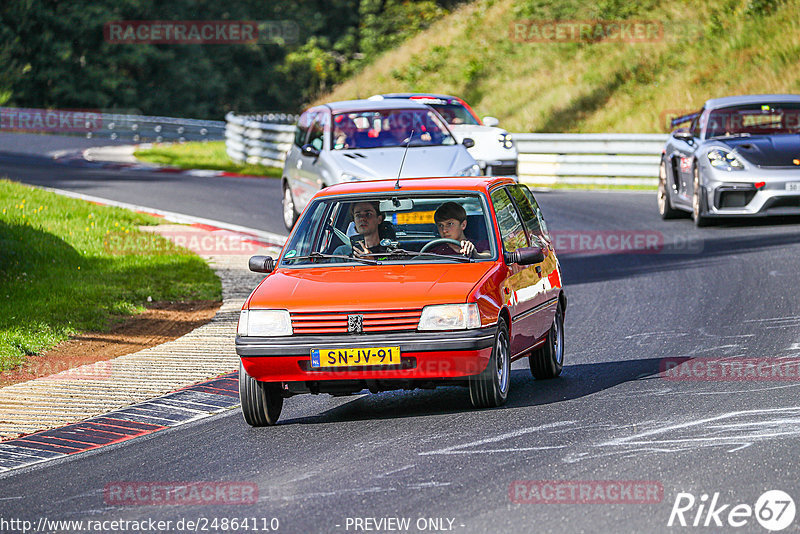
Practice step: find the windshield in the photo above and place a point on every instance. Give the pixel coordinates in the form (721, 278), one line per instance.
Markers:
(454, 113)
(754, 119)
(389, 128)
(402, 228)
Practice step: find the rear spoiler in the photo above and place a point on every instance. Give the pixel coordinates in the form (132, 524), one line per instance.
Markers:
(684, 118)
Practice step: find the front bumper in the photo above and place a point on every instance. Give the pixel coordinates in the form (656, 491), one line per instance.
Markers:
(726, 197)
(425, 355)
(505, 167)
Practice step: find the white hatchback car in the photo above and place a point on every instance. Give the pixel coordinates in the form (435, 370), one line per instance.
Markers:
(494, 149)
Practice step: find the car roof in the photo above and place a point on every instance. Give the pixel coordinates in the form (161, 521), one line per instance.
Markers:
(459, 183)
(410, 95)
(728, 101)
(370, 105)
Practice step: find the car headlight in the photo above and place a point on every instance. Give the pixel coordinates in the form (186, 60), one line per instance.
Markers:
(722, 159)
(472, 170)
(264, 323)
(505, 140)
(450, 317)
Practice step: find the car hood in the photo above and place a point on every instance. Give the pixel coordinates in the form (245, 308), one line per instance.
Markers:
(487, 143)
(367, 287)
(381, 163)
(767, 150)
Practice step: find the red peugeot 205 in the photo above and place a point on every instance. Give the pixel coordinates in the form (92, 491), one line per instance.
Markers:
(399, 285)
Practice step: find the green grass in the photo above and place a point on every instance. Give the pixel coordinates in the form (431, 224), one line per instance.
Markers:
(59, 275)
(201, 155)
(708, 48)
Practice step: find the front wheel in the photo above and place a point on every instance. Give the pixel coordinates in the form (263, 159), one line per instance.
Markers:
(548, 360)
(490, 388)
(698, 201)
(261, 401)
(289, 211)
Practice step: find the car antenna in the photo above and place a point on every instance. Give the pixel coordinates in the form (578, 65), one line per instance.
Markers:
(408, 142)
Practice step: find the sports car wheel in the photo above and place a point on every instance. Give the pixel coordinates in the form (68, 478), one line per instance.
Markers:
(698, 201)
(665, 208)
(490, 388)
(261, 401)
(548, 360)
(289, 212)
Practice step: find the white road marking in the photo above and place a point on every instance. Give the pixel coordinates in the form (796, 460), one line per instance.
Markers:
(454, 449)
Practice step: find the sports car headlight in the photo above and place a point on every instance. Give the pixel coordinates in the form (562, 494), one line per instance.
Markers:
(472, 170)
(722, 159)
(450, 317)
(505, 140)
(264, 323)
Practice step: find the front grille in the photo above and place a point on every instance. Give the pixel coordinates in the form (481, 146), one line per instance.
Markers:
(502, 170)
(336, 322)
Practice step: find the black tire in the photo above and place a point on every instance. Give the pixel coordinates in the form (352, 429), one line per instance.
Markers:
(548, 360)
(665, 208)
(261, 401)
(698, 201)
(289, 210)
(489, 389)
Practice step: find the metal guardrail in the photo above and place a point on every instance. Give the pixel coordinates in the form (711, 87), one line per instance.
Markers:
(115, 126)
(543, 158)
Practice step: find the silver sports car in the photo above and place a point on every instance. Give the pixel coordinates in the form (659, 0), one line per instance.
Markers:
(740, 156)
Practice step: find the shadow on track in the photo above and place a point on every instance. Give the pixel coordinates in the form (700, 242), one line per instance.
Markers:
(576, 381)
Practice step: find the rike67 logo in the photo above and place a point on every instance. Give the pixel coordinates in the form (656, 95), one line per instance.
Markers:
(774, 510)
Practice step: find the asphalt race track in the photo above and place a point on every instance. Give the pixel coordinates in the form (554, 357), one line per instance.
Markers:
(426, 456)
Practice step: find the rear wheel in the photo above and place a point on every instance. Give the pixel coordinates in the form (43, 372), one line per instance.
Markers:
(289, 211)
(490, 388)
(665, 208)
(261, 401)
(698, 201)
(548, 360)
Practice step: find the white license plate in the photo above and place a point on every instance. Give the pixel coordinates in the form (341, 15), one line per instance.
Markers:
(793, 186)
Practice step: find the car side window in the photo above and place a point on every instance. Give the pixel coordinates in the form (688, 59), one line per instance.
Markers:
(526, 210)
(317, 134)
(511, 229)
(302, 129)
(536, 209)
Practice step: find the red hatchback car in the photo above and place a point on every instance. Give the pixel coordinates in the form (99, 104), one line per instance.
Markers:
(399, 285)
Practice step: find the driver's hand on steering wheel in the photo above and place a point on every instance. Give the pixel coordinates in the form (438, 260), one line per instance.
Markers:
(467, 248)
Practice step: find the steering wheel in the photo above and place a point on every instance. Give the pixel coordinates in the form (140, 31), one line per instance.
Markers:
(440, 240)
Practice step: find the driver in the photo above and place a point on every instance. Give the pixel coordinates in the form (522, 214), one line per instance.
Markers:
(451, 221)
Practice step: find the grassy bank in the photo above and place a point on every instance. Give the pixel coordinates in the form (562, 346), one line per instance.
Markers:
(198, 155)
(485, 52)
(60, 276)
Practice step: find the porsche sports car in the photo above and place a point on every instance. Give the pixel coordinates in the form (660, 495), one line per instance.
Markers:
(494, 148)
(365, 140)
(739, 156)
(404, 284)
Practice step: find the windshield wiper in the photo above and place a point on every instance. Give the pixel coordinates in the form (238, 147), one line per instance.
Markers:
(320, 255)
(412, 253)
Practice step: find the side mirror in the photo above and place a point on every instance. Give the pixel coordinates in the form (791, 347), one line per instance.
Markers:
(310, 151)
(261, 264)
(683, 135)
(525, 256)
(490, 121)
(468, 142)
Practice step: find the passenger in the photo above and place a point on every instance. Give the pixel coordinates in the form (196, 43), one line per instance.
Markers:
(345, 133)
(451, 221)
(368, 221)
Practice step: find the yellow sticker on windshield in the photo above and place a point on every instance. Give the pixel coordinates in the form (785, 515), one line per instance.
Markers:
(415, 217)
